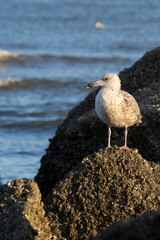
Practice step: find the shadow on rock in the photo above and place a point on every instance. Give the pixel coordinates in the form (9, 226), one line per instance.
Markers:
(143, 228)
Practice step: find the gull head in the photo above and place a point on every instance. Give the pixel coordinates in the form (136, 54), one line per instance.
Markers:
(110, 80)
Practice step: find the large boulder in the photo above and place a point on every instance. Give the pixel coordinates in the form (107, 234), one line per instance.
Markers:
(82, 132)
(108, 186)
(22, 215)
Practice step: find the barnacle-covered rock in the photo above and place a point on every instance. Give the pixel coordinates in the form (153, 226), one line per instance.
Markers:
(22, 215)
(109, 185)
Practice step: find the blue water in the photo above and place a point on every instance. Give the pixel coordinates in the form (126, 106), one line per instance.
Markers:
(49, 51)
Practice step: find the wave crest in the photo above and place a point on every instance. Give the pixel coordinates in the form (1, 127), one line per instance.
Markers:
(6, 56)
(12, 83)
(21, 58)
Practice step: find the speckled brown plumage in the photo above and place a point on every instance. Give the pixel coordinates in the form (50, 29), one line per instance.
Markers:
(114, 106)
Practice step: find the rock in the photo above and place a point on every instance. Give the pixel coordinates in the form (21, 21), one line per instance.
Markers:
(146, 136)
(143, 228)
(144, 72)
(22, 214)
(109, 185)
(82, 132)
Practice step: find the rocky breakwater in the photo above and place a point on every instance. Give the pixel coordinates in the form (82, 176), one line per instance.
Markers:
(85, 190)
(108, 186)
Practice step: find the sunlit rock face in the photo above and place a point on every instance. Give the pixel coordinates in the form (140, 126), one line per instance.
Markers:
(109, 185)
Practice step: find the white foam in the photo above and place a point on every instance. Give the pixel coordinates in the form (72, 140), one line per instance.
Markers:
(5, 55)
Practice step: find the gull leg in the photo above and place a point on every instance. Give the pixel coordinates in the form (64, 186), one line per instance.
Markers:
(125, 134)
(125, 142)
(109, 137)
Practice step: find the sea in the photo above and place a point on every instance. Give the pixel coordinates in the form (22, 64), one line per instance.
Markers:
(49, 51)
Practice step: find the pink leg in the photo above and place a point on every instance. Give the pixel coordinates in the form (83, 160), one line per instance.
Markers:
(109, 137)
(125, 143)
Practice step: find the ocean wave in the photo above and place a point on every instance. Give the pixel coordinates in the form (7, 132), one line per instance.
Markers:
(33, 124)
(95, 59)
(9, 82)
(7, 57)
(12, 83)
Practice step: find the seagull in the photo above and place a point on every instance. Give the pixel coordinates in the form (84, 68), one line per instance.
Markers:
(115, 107)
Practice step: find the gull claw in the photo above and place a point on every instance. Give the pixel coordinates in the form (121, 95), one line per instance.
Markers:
(125, 148)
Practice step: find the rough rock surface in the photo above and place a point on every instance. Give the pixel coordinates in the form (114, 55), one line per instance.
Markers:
(144, 228)
(108, 186)
(22, 214)
(144, 72)
(82, 132)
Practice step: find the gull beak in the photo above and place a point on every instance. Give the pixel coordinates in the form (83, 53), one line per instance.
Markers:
(93, 84)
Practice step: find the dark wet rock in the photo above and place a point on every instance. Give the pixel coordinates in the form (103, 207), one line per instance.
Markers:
(146, 137)
(143, 228)
(82, 132)
(22, 214)
(144, 72)
(109, 185)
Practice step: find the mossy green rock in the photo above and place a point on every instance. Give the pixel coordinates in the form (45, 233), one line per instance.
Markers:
(82, 132)
(108, 186)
